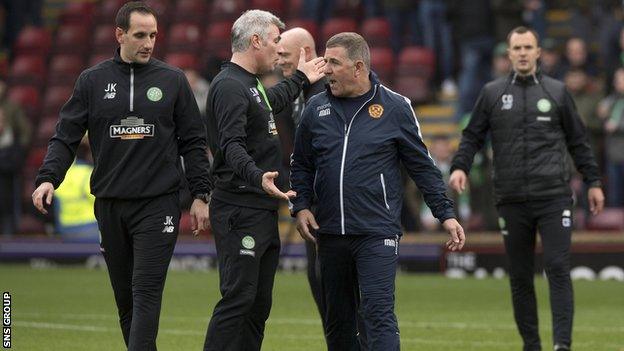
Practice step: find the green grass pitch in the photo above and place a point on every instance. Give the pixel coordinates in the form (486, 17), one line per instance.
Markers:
(73, 309)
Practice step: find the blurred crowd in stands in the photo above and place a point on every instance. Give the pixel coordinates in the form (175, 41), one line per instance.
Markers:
(439, 53)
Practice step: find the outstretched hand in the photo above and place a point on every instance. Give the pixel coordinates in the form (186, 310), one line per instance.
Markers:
(268, 185)
(313, 69)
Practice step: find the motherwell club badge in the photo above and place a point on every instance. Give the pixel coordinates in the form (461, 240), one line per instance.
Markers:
(375, 111)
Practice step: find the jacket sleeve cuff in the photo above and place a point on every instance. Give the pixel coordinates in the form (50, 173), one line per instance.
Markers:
(456, 166)
(41, 180)
(301, 78)
(258, 179)
(447, 214)
(300, 205)
(594, 184)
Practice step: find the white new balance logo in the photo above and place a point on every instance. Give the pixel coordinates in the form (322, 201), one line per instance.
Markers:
(110, 91)
(168, 224)
(389, 242)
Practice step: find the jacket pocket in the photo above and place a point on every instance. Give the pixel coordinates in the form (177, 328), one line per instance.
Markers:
(383, 188)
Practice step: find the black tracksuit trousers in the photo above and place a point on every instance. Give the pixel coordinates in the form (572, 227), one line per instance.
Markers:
(138, 238)
(519, 223)
(248, 245)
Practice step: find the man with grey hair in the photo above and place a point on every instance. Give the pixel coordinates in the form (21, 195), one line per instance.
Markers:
(347, 152)
(246, 147)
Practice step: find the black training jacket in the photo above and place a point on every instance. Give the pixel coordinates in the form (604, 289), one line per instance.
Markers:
(140, 119)
(242, 133)
(534, 124)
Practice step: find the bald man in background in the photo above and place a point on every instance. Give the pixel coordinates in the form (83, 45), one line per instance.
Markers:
(292, 42)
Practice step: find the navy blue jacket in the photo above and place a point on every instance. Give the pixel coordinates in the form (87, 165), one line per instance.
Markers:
(353, 168)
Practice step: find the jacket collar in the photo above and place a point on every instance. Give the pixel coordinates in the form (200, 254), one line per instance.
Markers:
(117, 58)
(532, 79)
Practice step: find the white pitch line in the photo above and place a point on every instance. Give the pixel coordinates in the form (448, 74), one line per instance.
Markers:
(90, 328)
(313, 321)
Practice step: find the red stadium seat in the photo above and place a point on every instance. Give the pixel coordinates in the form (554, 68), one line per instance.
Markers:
(191, 11)
(64, 69)
(227, 10)
(28, 98)
(347, 8)
(337, 25)
(306, 24)
(382, 63)
(415, 60)
(107, 11)
(163, 9)
(415, 88)
(184, 37)
(35, 157)
(104, 39)
(274, 6)
(72, 38)
(294, 9)
(218, 42)
(376, 31)
(45, 131)
(33, 41)
(29, 224)
(610, 219)
(97, 58)
(183, 60)
(78, 12)
(29, 70)
(4, 65)
(55, 98)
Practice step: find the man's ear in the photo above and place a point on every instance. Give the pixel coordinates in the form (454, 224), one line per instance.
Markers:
(255, 41)
(308, 53)
(359, 68)
(119, 35)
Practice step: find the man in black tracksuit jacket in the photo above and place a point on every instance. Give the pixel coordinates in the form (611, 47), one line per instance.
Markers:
(246, 147)
(141, 117)
(533, 125)
(292, 41)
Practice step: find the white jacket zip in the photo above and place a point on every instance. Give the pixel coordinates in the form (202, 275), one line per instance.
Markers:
(383, 187)
(131, 89)
(342, 164)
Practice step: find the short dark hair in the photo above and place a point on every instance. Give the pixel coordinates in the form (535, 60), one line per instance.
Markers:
(522, 30)
(122, 20)
(355, 45)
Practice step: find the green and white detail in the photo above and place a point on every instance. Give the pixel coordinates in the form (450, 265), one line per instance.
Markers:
(502, 224)
(248, 242)
(154, 94)
(544, 105)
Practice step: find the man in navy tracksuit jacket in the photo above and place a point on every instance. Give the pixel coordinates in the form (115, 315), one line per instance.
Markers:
(347, 153)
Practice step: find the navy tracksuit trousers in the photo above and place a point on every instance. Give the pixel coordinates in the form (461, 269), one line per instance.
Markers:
(359, 270)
